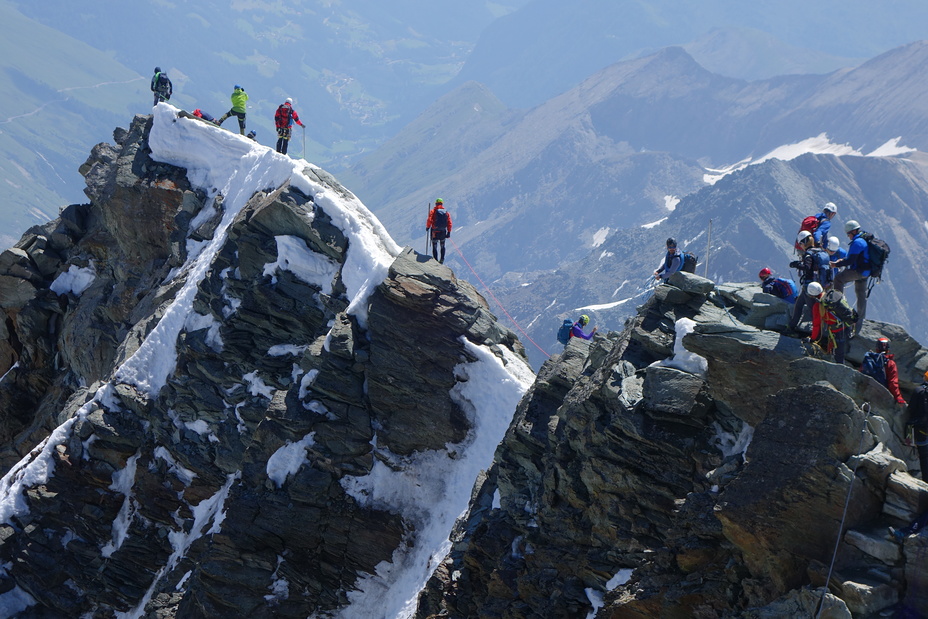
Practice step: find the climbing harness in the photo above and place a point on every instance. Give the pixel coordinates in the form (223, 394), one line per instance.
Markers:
(458, 249)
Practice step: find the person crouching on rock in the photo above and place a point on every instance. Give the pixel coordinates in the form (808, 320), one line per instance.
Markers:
(673, 261)
(577, 329)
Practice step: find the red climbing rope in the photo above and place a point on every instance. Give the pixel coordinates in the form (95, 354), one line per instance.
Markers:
(458, 249)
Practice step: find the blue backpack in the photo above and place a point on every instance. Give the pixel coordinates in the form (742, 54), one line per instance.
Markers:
(786, 289)
(563, 333)
(821, 264)
(874, 366)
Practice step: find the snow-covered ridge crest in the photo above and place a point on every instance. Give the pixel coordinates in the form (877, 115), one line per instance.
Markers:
(279, 372)
(220, 162)
(818, 145)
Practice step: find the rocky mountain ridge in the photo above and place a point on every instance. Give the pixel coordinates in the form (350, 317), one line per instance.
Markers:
(622, 149)
(210, 393)
(303, 439)
(637, 482)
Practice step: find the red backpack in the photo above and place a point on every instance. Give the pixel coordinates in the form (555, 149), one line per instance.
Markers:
(809, 224)
(282, 116)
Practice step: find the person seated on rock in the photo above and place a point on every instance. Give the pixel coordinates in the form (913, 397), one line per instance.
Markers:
(577, 329)
(880, 365)
(777, 286)
(673, 261)
(832, 319)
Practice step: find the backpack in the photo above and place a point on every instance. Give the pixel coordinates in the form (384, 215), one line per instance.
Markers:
(786, 289)
(835, 303)
(440, 220)
(689, 262)
(879, 254)
(162, 84)
(821, 266)
(563, 333)
(809, 224)
(874, 366)
(282, 116)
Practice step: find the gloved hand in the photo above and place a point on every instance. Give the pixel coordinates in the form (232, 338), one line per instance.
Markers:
(449, 235)
(795, 264)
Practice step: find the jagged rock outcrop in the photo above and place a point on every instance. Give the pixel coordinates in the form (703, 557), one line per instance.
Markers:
(240, 486)
(631, 486)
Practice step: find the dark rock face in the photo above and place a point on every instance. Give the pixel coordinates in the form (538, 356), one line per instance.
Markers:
(639, 490)
(222, 494)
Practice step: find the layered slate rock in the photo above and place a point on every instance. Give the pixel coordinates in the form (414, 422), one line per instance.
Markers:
(627, 487)
(223, 493)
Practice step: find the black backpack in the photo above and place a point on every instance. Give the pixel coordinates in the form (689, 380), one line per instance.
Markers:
(563, 333)
(440, 220)
(879, 254)
(874, 365)
(836, 303)
(689, 262)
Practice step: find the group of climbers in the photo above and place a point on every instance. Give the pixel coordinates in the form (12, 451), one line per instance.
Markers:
(824, 270)
(284, 118)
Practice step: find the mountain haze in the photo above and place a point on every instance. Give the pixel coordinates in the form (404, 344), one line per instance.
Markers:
(618, 150)
(551, 44)
(60, 96)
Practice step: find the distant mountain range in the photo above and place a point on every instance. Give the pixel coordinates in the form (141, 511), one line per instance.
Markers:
(640, 142)
(538, 51)
(742, 223)
(361, 71)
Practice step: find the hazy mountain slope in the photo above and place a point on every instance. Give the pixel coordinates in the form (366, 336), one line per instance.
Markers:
(751, 54)
(607, 154)
(60, 96)
(550, 44)
(754, 215)
(353, 69)
(456, 128)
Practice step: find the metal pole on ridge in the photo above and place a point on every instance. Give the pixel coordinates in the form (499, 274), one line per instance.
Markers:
(304, 141)
(427, 231)
(708, 248)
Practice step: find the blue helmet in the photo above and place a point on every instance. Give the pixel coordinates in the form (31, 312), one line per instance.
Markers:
(237, 87)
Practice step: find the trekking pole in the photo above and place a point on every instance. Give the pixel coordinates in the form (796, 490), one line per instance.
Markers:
(304, 141)
(708, 247)
(428, 211)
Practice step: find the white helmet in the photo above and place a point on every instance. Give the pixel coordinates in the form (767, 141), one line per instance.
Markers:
(803, 235)
(833, 243)
(814, 289)
(851, 225)
(830, 208)
(289, 100)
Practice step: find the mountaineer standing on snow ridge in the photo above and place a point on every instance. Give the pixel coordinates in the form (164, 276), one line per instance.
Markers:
(239, 100)
(439, 225)
(284, 119)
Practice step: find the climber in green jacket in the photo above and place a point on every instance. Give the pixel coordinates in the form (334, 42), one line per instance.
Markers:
(239, 99)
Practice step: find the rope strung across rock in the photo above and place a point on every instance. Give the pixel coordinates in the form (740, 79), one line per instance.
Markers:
(863, 433)
(458, 249)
